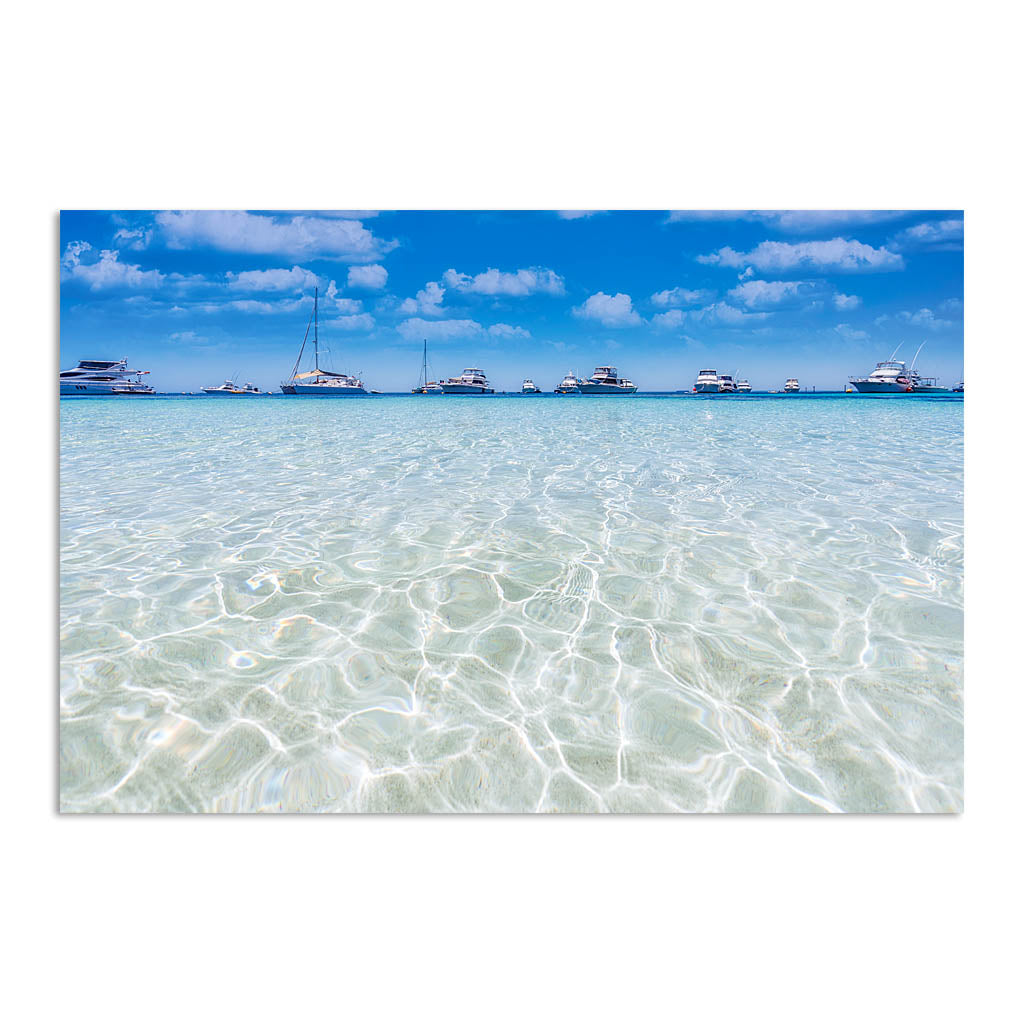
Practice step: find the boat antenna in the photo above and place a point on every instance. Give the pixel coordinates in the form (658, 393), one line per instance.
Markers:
(917, 353)
(894, 351)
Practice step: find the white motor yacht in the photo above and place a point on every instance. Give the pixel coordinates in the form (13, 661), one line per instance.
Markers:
(109, 377)
(726, 384)
(529, 388)
(570, 385)
(889, 377)
(743, 385)
(472, 382)
(605, 380)
(792, 386)
(707, 382)
(318, 381)
(229, 387)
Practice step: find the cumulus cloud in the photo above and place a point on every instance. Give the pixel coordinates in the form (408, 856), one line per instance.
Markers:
(358, 322)
(669, 320)
(133, 238)
(300, 236)
(723, 313)
(850, 333)
(427, 302)
(439, 330)
(576, 214)
(836, 254)
(279, 280)
(372, 277)
(102, 271)
(952, 307)
(931, 234)
(924, 318)
(610, 310)
(674, 297)
(791, 220)
(507, 331)
(841, 301)
(189, 338)
(529, 281)
(772, 294)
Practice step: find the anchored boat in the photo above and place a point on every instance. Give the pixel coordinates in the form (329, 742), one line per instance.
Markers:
(472, 382)
(529, 388)
(570, 385)
(229, 387)
(426, 387)
(110, 377)
(605, 380)
(792, 385)
(318, 381)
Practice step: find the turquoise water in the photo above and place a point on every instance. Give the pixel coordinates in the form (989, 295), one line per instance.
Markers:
(512, 604)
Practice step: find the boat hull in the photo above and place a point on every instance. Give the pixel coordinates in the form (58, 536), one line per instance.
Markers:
(706, 388)
(465, 389)
(875, 387)
(930, 391)
(606, 389)
(313, 390)
(105, 391)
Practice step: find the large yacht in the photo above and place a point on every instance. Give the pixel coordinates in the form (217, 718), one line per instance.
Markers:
(889, 377)
(605, 380)
(529, 388)
(229, 387)
(426, 387)
(570, 385)
(743, 385)
(472, 382)
(103, 377)
(707, 382)
(792, 386)
(317, 381)
(726, 384)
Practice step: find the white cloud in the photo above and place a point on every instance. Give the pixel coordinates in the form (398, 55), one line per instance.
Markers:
(576, 214)
(278, 280)
(529, 281)
(105, 271)
(841, 301)
(238, 231)
(791, 220)
(931, 234)
(925, 318)
(850, 333)
(427, 302)
(359, 322)
(723, 313)
(610, 310)
(372, 276)
(669, 320)
(508, 331)
(680, 297)
(439, 330)
(952, 307)
(189, 338)
(133, 238)
(772, 294)
(837, 254)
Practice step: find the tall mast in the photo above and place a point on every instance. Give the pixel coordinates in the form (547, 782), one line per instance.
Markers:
(316, 328)
(424, 362)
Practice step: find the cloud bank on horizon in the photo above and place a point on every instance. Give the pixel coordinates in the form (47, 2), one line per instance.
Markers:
(198, 295)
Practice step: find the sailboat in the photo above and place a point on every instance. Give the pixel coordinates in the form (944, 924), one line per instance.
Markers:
(427, 387)
(325, 383)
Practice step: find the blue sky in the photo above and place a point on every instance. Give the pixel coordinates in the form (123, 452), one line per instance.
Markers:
(197, 296)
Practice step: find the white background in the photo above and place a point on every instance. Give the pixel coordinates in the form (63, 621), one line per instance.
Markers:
(535, 105)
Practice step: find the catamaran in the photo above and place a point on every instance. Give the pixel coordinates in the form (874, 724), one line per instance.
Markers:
(325, 383)
(426, 387)
(605, 380)
(103, 377)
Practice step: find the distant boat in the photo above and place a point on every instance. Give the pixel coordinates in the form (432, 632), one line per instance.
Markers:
(229, 387)
(959, 388)
(889, 377)
(325, 383)
(605, 380)
(792, 385)
(743, 385)
(426, 387)
(529, 388)
(706, 383)
(726, 384)
(570, 385)
(924, 385)
(110, 377)
(472, 382)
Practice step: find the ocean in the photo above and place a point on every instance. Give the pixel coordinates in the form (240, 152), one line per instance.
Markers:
(510, 603)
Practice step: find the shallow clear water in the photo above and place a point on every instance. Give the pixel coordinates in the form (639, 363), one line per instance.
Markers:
(512, 604)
